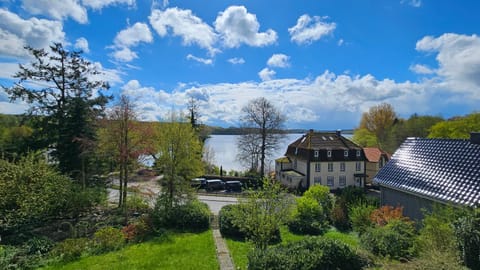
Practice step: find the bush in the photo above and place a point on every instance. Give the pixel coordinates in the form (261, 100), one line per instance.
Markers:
(359, 215)
(225, 220)
(191, 216)
(138, 230)
(136, 204)
(309, 217)
(38, 245)
(71, 249)
(339, 215)
(108, 239)
(393, 240)
(309, 253)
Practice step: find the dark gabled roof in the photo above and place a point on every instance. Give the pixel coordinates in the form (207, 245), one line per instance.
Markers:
(446, 170)
(324, 140)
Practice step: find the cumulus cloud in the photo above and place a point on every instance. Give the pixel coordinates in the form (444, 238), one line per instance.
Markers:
(279, 60)
(199, 59)
(99, 4)
(82, 44)
(16, 33)
(413, 3)
(236, 61)
(309, 29)
(236, 27)
(421, 69)
(130, 37)
(58, 10)
(184, 24)
(458, 58)
(266, 74)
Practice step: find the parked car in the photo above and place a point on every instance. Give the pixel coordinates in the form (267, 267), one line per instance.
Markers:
(214, 184)
(233, 186)
(198, 183)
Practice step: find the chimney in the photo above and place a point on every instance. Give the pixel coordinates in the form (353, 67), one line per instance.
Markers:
(475, 137)
(339, 132)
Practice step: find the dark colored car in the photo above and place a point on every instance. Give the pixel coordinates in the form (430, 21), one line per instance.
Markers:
(214, 184)
(198, 183)
(233, 186)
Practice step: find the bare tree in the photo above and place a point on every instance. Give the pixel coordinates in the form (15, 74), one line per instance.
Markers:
(263, 123)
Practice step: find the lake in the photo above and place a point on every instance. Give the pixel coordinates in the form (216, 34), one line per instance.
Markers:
(225, 151)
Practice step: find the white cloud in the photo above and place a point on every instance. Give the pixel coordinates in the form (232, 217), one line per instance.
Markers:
(340, 42)
(16, 33)
(112, 76)
(58, 10)
(421, 69)
(200, 60)
(99, 4)
(133, 35)
(458, 58)
(183, 23)
(309, 29)
(279, 60)
(266, 74)
(413, 3)
(236, 26)
(130, 37)
(7, 70)
(236, 61)
(82, 44)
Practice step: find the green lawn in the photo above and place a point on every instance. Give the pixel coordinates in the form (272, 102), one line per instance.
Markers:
(239, 249)
(173, 251)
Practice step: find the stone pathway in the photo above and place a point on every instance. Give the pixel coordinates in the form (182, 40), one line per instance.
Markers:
(223, 255)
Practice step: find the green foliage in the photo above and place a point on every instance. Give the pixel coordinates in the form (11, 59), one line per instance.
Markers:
(394, 240)
(71, 249)
(38, 245)
(457, 128)
(310, 253)
(226, 217)
(263, 212)
(191, 215)
(353, 195)
(339, 214)
(138, 230)
(364, 138)
(31, 192)
(311, 215)
(137, 204)
(108, 239)
(359, 215)
(467, 231)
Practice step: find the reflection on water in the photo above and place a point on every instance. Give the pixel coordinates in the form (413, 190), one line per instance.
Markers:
(225, 151)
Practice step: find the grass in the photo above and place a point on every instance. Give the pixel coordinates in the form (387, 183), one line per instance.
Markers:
(170, 251)
(239, 249)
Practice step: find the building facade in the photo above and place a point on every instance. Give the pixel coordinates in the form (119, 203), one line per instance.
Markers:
(321, 158)
(376, 159)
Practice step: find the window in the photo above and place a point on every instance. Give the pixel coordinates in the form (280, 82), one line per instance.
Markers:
(345, 153)
(329, 153)
(296, 150)
(330, 181)
(318, 166)
(342, 166)
(358, 153)
(317, 180)
(295, 163)
(358, 166)
(315, 154)
(330, 167)
(342, 180)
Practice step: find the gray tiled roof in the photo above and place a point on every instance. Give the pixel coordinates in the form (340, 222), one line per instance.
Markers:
(445, 170)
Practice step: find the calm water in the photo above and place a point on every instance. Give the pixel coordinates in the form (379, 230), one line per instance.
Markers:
(225, 151)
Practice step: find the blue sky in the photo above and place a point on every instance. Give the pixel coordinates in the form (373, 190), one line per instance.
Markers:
(322, 63)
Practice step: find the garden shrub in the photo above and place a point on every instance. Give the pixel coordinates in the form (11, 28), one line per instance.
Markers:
(138, 230)
(226, 225)
(393, 240)
(339, 215)
(71, 249)
(137, 204)
(38, 245)
(309, 253)
(193, 215)
(308, 218)
(359, 215)
(108, 239)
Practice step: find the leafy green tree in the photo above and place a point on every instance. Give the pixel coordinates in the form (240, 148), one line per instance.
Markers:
(364, 138)
(62, 91)
(467, 231)
(457, 128)
(261, 214)
(378, 120)
(179, 158)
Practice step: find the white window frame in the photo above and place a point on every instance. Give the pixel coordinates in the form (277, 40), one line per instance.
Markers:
(345, 153)
(342, 180)
(330, 181)
(330, 166)
(315, 153)
(358, 153)
(329, 153)
(318, 166)
(342, 166)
